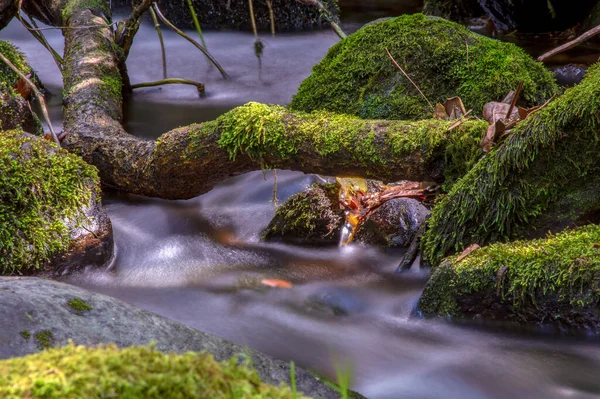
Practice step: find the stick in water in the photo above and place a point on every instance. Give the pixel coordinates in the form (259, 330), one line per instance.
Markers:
(162, 42)
(575, 42)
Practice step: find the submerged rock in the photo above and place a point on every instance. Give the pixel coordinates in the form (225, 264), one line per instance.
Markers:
(536, 15)
(235, 14)
(313, 217)
(51, 220)
(569, 75)
(394, 224)
(443, 58)
(546, 281)
(36, 314)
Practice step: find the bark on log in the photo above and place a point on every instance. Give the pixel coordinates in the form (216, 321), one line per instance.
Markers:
(189, 161)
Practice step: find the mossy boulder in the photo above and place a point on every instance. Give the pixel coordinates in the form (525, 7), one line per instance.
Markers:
(545, 176)
(545, 281)
(136, 372)
(36, 314)
(443, 58)
(312, 216)
(14, 110)
(51, 220)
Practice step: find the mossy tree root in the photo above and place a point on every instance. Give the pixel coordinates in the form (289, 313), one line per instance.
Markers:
(189, 161)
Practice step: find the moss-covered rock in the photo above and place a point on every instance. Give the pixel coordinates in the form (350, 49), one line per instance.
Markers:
(49, 208)
(39, 314)
(136, 372)
(14, 110)
(443, 58)
(553, 280)
(7, 76)
(309, 217)
(548, 166)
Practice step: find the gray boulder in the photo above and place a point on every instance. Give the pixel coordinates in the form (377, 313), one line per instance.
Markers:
(37, 313)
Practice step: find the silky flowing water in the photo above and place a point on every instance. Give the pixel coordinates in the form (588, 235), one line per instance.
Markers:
(200, 261)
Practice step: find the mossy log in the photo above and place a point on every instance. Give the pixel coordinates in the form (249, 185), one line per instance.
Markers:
(545, 176)
(547, 281)
(189, 161)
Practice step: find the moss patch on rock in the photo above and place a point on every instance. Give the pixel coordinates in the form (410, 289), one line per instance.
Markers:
(553, 280)
(309, 217)
(136, 372)
(443, 58)
(7, 76)
(42, 189)
(79, 305)
(548, 157)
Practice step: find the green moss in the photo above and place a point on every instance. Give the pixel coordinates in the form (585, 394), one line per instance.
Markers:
(100, 6)
(42, 188)
(308, 216)
(538, 280)
(7, 76)
(79, 305)
(144, 372)
(443, 58)
(548, 156)
(271, 132)
(45, 339)
(254, 129)
(25, 334)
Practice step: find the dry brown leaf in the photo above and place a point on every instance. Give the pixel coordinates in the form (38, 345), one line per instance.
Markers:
(460, 121)
(23, 88)
(470, 249)
(275, 283)
(440, 112)
(596, 245)
(455, 108)
(494, 111)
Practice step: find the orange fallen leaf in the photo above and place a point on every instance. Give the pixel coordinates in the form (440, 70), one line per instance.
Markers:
(23, 88)
(596, 245)
(276, 283)
(471, 248)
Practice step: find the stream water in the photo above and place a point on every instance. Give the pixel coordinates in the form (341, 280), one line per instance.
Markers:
(199, 261)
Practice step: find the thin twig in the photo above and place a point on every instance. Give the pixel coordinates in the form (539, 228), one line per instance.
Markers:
(408, 77)
(514, 100)
(189, 39)
(275, 199)
(162, 42)
(197, 23)
(271, 16)
(336, 28)
(587, 35)
(37, 93)
(171, 81)
(127, 29)
(39, 36)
